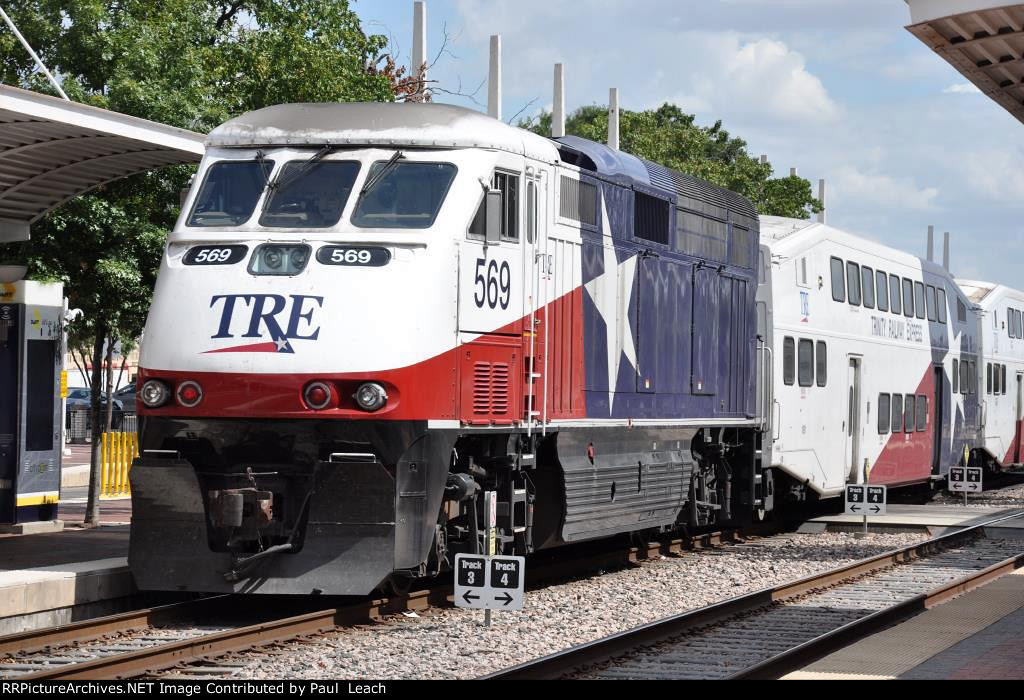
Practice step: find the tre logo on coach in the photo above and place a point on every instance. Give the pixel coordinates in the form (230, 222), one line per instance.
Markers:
(282, 318)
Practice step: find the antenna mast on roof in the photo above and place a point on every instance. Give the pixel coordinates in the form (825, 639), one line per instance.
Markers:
(613, 119)
(558, 106)
(494, 79)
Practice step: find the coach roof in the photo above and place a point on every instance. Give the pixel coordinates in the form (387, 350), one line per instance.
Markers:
(415, 125)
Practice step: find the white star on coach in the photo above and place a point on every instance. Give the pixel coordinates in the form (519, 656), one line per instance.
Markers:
(281, 343)
(611, 292)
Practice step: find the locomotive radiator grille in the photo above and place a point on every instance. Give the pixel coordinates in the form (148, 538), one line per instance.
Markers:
(490, 388)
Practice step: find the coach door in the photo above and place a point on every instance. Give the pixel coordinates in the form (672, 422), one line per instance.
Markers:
(853, 421)
(938, 405)
(1019, 423)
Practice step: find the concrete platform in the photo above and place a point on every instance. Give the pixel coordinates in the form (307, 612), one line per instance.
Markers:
(51, 579)
(935, 519)
(978, 636)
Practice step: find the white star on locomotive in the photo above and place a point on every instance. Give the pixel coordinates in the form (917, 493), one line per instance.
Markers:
(611, 292)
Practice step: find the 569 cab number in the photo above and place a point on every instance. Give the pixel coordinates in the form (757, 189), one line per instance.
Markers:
(215, 254)
(492, 286)
(346, 255)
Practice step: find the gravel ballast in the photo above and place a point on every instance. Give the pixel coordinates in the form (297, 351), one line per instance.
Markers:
(452, 643)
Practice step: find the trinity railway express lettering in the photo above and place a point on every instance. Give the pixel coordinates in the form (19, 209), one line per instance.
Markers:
(897, 329)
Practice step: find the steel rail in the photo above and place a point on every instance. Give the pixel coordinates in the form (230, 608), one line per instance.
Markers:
(601, 650)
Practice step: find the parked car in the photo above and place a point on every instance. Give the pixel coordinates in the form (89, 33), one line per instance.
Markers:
(126, 395)
(80, 398)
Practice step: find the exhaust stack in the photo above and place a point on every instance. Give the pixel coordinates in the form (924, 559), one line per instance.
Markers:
(494, 79)
(419, 44)
(945, 251)
(613, 119)
(558, 106)
(821, 198)
(931, 243)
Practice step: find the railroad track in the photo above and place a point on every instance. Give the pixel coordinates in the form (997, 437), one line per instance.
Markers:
(771, 632)
(152, 640)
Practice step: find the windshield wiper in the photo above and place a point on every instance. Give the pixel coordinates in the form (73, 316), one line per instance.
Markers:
(265, 168)
(372, 181)
(294, 174)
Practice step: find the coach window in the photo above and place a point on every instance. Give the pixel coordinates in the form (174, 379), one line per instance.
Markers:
(1002, 381)
(1016, 320)
(908, 298)
(1009, 322)
(805, 362)
(884, 407)
(956, 377)
(868, 285)
(838, 281)
(853, 283)
(882, 281)
(403, 194)
(964, 380)
(897, 413)
(973, 377)
(894, 294)
(908, 413)
(922, 413)
(788, 361)
(932, 315)
(821, 367)
(988, 378)
(919, 299)
(942, 305)
(961, 311)
(229, 193)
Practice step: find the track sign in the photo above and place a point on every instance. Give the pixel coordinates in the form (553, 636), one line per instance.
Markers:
(489, 582)
(965, 479)
(875, 500)
(854, 500)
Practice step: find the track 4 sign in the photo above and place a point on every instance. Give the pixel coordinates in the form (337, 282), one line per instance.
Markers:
(865, 500)
(489, 582)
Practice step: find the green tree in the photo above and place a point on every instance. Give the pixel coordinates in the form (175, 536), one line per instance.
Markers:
(188, 63)
(672, 138)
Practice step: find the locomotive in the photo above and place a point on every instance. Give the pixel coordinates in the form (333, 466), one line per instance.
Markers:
(369, 315)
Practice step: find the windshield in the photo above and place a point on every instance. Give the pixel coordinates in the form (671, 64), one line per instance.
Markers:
(407, 195)
(229, 193)
(310, 195)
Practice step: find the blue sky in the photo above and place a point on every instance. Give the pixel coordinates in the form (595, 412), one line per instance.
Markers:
(836, 88)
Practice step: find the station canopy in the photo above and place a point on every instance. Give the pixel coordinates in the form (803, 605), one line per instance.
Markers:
(982, 39)
(52, 150)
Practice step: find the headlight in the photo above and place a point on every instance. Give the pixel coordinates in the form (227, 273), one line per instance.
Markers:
(154, 393)
(371, 396)
(189, 394)
(317, 395)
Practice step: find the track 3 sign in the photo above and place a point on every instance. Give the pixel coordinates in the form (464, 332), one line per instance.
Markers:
(865, 500)
(965, 479)
(489, 582)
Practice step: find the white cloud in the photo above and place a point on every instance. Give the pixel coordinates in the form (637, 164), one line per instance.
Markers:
(749, 79)
(994, 174)
(962, 89)
(869, 191)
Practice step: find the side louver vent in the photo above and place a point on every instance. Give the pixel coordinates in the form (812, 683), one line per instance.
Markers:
(490, 388)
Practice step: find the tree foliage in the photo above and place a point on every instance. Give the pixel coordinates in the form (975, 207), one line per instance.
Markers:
(672, 138)
(187, 63)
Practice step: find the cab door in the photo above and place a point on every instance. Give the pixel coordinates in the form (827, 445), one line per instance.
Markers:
(538, 266)
(490, 310)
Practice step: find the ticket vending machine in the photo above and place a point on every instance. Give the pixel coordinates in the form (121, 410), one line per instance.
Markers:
(31, 364)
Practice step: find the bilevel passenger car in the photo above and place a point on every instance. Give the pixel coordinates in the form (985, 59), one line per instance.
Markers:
(370, 314)
(1002, 351)
(877, 358)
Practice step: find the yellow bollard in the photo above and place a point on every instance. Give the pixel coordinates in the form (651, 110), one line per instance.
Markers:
(104, 461)
(117, 452)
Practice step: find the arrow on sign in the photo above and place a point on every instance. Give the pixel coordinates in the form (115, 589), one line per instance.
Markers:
(506, 597)
(972, 487)
(469, 598)
(854, 508)
(875, 508)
